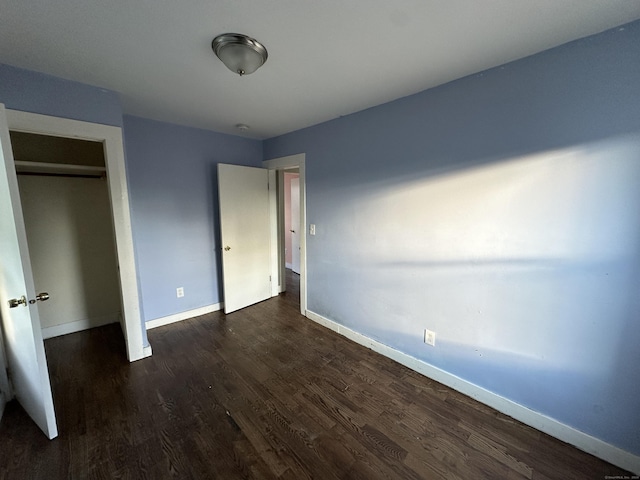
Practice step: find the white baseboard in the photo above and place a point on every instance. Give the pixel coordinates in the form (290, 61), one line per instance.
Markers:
(146, 351)
(539, 421)
(178, 317)
(78, 326)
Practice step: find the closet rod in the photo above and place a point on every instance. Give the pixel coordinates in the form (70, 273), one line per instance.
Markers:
(59, 169)
(74, 175)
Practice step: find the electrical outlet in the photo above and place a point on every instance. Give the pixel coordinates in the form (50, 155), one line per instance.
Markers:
(312, 229)
(430, 338)
(180, 292)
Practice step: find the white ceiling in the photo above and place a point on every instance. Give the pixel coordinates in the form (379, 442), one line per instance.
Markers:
(327, 58)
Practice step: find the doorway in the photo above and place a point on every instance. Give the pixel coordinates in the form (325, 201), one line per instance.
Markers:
(291, 231)
(65, 205)
(110, 140)
(278, 167)
(292, 220)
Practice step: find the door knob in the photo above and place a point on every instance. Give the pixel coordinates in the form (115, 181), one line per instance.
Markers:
(227, 248)
(292, 231)
(14, 302)
(41, 296)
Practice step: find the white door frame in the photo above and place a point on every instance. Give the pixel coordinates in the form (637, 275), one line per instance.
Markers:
(111, 138)
(275, 165)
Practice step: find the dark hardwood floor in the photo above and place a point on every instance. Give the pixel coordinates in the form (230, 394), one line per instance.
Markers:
(266, 393)
(292, 293)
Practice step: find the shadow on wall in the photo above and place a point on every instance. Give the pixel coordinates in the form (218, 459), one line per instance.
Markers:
(527, 270)
(216, 234)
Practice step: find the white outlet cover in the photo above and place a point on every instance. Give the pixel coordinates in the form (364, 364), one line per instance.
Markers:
(430, 338)
(180, 292)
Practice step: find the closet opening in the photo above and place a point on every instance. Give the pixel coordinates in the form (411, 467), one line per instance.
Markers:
(70, 233)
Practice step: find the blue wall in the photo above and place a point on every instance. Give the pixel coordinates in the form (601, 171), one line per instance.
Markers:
(174, 206)
(35, 92)
(172, 186)
(39, 93)
(500, 211)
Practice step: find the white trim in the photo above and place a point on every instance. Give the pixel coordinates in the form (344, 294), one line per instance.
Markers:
(78, 326)
(111, 137)
(178, 317)
(282, 248)
(290, 161)
(274, 232)
(147, 352)
(539, 421)
(293, 161)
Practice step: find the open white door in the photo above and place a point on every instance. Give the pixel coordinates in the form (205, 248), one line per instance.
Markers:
(24, 347)
(295, 225)
(245, 232)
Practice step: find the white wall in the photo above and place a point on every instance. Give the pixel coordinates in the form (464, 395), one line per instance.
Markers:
(70, 236)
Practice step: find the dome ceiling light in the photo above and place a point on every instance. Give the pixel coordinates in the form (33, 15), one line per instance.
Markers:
(241, 54)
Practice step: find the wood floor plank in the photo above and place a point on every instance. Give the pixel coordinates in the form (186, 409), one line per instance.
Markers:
(264, 393)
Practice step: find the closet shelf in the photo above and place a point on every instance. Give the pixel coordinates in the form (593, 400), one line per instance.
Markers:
(58, 168)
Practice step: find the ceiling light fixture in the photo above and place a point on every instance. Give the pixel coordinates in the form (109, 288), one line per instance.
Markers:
(241, 54)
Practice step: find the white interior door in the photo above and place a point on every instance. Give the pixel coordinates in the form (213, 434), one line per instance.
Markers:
(245, 233)
(24, 346)
(295, 225)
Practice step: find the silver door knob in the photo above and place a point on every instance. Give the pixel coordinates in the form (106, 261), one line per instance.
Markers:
(14, 302)
(41, 296)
